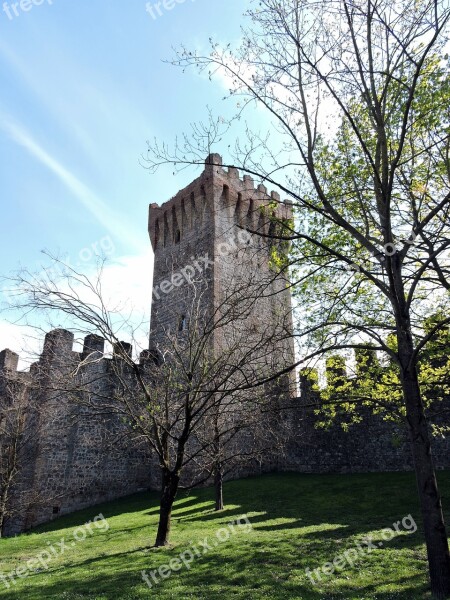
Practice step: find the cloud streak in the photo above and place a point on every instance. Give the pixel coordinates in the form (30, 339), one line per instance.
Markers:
(103, 213)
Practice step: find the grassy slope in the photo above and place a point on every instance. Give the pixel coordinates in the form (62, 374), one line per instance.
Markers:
(298, 521)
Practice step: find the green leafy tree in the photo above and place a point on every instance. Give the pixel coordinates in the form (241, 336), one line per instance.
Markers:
(368, 382)
(357, 97)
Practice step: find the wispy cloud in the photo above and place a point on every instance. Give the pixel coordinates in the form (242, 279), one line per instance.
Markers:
(93, 116)
(81, 192)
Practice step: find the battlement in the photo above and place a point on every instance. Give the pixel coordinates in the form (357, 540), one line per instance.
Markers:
(8, 361)
(216, 189)
(59, 346)
(336, 373)
(94, 345)
(81, 456)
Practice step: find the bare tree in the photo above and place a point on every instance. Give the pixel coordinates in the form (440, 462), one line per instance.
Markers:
(12, 429)
(357, 94)
(190, 373)
(18, 439)
(242, 432)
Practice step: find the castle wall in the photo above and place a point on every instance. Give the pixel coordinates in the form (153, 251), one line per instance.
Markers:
(200, 238)
(182, 233)
(79, 456)
(371, 446)
(76, 457)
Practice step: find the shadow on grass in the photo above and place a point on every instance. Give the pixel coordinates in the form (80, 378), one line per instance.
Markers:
(129, 504)
(311, 519)
(217, 579)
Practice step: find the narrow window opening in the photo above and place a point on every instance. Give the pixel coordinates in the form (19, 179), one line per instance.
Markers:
(166, 230)
(184, 219)
(226, 193)
(250, 215)
(238, 209)
(156, 233)
(182, 325)
(204, 205)
(193, 211)
(175, 226)
(272, 229)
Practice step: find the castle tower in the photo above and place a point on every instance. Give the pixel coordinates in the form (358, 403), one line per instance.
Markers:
(203, 247)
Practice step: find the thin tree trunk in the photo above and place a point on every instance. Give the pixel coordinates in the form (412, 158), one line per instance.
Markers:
(430, 500)
(218, 484)
(168, 494)
(3, 504)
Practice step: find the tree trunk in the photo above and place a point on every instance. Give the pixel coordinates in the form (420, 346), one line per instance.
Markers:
(3, 503)
(429, 497)
(430, 501)
(168, 494)
(218, 484)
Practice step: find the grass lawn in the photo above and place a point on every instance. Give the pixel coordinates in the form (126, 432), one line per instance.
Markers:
(297, 522)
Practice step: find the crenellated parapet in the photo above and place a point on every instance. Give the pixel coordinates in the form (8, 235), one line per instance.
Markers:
(74, 452)
(338, 371)
(190, 209)
(58, 351)
(216, 190)
(58, 346)
(248, 205)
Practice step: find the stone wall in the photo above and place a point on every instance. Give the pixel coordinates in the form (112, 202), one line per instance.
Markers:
(371, 446)
(76, 457)
(202, 248)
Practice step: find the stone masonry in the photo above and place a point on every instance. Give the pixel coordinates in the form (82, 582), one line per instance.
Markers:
(76, 459)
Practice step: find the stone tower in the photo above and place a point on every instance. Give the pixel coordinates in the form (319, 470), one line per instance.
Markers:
(201, 239)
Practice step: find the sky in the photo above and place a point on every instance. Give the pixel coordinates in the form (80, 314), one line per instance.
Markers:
(84, 85)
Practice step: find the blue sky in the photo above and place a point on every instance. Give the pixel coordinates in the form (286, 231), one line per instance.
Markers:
(84, 86)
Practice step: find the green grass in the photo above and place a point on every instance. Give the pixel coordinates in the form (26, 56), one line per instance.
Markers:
(298, 521)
